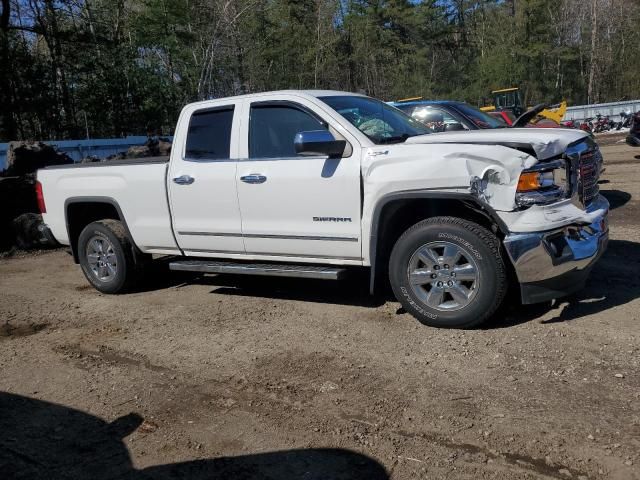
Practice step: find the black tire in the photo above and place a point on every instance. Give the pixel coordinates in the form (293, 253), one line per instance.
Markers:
(487, 289)
(26, 231)
(129, 262)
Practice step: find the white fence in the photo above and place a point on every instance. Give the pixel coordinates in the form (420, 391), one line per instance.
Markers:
(613, 109)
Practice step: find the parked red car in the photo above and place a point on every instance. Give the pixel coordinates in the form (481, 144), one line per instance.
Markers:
(506, 116)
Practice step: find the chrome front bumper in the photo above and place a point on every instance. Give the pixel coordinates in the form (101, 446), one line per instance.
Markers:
(555, 263)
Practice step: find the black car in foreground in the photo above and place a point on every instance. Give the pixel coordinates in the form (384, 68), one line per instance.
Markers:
(447, 115)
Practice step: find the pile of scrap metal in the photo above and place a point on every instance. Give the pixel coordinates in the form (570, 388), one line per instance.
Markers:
(20, 220)
(633, 138)
(153, 147)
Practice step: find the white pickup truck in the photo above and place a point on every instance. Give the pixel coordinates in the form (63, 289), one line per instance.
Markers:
(313, 183)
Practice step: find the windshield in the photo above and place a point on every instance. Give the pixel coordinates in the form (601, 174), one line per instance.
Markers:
(479, 118)
(377, 120)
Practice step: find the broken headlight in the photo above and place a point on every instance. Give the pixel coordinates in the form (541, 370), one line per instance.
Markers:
(543, 184)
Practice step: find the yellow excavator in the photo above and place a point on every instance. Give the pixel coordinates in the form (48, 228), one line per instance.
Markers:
(510, 99)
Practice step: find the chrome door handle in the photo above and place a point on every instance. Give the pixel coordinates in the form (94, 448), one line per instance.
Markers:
(184, 180)
(253, 178)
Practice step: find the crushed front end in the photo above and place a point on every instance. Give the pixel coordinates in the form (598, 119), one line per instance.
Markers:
(561, 228)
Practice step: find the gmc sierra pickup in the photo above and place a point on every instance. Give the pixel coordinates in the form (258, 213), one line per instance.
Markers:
(312, 183)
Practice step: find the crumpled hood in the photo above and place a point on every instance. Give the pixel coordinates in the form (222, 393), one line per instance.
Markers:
(495, 169)
(545, 142)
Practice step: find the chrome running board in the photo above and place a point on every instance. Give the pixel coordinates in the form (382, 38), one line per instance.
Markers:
(268, 269)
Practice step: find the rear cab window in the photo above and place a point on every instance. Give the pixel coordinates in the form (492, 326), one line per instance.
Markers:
(209, 134)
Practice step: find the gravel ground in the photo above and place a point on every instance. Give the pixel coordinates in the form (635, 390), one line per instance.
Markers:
(231, 377)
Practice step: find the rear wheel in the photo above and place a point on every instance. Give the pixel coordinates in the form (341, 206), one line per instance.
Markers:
(108, 259)
(448, 272)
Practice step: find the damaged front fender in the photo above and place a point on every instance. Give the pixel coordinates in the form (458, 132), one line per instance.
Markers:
(489, 172)
(496, 183)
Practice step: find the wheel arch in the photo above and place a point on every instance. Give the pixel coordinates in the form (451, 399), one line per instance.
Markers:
(395, 212)
(81, 211)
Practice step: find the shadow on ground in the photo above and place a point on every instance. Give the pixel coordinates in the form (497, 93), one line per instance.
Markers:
(616, 198)
(613, 281)
(354, 290)
(44, 440)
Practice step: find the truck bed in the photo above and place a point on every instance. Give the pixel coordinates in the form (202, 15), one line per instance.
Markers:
(135, 187)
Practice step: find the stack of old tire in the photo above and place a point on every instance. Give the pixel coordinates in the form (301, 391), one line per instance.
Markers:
(19, 215)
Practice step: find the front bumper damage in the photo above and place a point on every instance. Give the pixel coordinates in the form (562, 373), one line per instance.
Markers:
(557, 262)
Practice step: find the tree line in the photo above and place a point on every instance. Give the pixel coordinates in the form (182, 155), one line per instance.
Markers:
(103, 68)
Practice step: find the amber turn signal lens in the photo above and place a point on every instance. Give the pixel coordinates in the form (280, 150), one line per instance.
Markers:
(529, 181)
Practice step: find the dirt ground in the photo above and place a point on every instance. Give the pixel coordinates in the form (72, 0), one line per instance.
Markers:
(230, 377)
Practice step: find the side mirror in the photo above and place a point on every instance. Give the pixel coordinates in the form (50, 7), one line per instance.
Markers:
(318, 142)
(453, 127)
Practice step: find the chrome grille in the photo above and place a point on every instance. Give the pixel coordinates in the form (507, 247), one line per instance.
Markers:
(589, 174)
(584, 165)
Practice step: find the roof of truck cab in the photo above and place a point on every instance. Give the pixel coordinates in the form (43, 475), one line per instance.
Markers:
(428, 102)
(329, 93)
(311, 93)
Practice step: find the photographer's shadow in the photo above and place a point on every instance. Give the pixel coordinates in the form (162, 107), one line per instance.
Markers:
(44, 440)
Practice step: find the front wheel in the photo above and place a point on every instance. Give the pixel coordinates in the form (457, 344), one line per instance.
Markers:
(448, 272)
